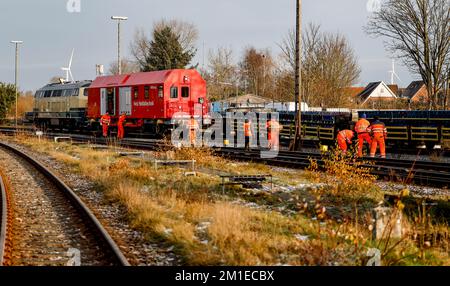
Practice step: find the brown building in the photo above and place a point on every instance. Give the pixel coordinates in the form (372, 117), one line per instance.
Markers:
(416, 92)
(351, 93)
(395, 89)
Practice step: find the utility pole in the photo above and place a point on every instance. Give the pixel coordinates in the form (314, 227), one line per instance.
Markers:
(446, 89)
(264, 75)
(119, 61)
(297, 143)
(16, 76)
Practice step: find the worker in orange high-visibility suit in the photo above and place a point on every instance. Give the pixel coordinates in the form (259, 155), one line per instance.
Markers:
(379, 133)
(247, 133)
(193, 128)
(273, 133)
(121, 126)
(105, 121)
(363, 134)
(344, 138)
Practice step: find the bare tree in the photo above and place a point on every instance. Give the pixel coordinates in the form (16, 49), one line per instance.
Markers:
(257, 71)
(187, 35)
(221, 75)
(329, 65)
(128, 66)
(186, 32)
(418, 31)
(140, 47)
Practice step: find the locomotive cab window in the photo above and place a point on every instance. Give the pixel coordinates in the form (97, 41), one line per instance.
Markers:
(147, 92)
(174, 92)
(160, 91)
(185, 92)
(136, 92)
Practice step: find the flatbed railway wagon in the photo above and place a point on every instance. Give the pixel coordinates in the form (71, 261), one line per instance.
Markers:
(430, 129)
(151, 100)
(317, 126)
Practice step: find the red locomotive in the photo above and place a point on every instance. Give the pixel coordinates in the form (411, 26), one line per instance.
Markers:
(150, 99)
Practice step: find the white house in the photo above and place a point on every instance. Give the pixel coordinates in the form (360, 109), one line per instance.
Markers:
(378, 91)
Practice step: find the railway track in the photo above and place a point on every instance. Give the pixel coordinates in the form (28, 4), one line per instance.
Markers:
(285, 142)
(3, 219)
(405, 171)
(421, 173)
(44, 223)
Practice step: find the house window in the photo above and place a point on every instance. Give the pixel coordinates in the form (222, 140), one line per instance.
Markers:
(147, 92)
(382, 90)
(174, 92)
(136, 92)
(185, 92)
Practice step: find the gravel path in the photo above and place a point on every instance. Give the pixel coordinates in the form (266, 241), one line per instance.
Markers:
(45, 226)
(136, 247)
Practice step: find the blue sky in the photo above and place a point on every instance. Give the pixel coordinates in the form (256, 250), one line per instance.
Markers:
(50, 32)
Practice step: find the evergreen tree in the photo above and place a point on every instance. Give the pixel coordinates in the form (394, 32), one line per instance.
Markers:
(7, 98)
(166, 52)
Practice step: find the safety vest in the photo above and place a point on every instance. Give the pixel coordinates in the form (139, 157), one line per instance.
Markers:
(361, 126)
(122, 119)
(378, 127)
(106, 119)
(347, 135)
(273, 126)
(193, 124)
(247, 130)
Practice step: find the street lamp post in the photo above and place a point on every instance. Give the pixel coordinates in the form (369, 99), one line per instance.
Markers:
(16, 76)
(119, 19)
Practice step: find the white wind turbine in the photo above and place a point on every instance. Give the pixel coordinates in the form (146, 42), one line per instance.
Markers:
(393, 73)
(68, 69)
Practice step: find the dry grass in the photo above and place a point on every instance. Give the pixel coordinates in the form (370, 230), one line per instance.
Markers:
(207, 228)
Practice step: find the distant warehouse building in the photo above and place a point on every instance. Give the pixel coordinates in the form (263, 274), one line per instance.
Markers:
(253, 101)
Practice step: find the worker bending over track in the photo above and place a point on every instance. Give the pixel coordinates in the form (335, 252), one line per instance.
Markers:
(344, 138)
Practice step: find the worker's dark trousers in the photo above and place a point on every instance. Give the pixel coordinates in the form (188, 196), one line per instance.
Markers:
(247, 143)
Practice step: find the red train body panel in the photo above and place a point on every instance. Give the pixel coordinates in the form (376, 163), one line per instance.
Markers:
(148, 97)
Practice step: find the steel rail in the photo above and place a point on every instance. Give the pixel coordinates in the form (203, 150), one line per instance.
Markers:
(439, 176)
(416, 171)
(3, 220)
(76, 201)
